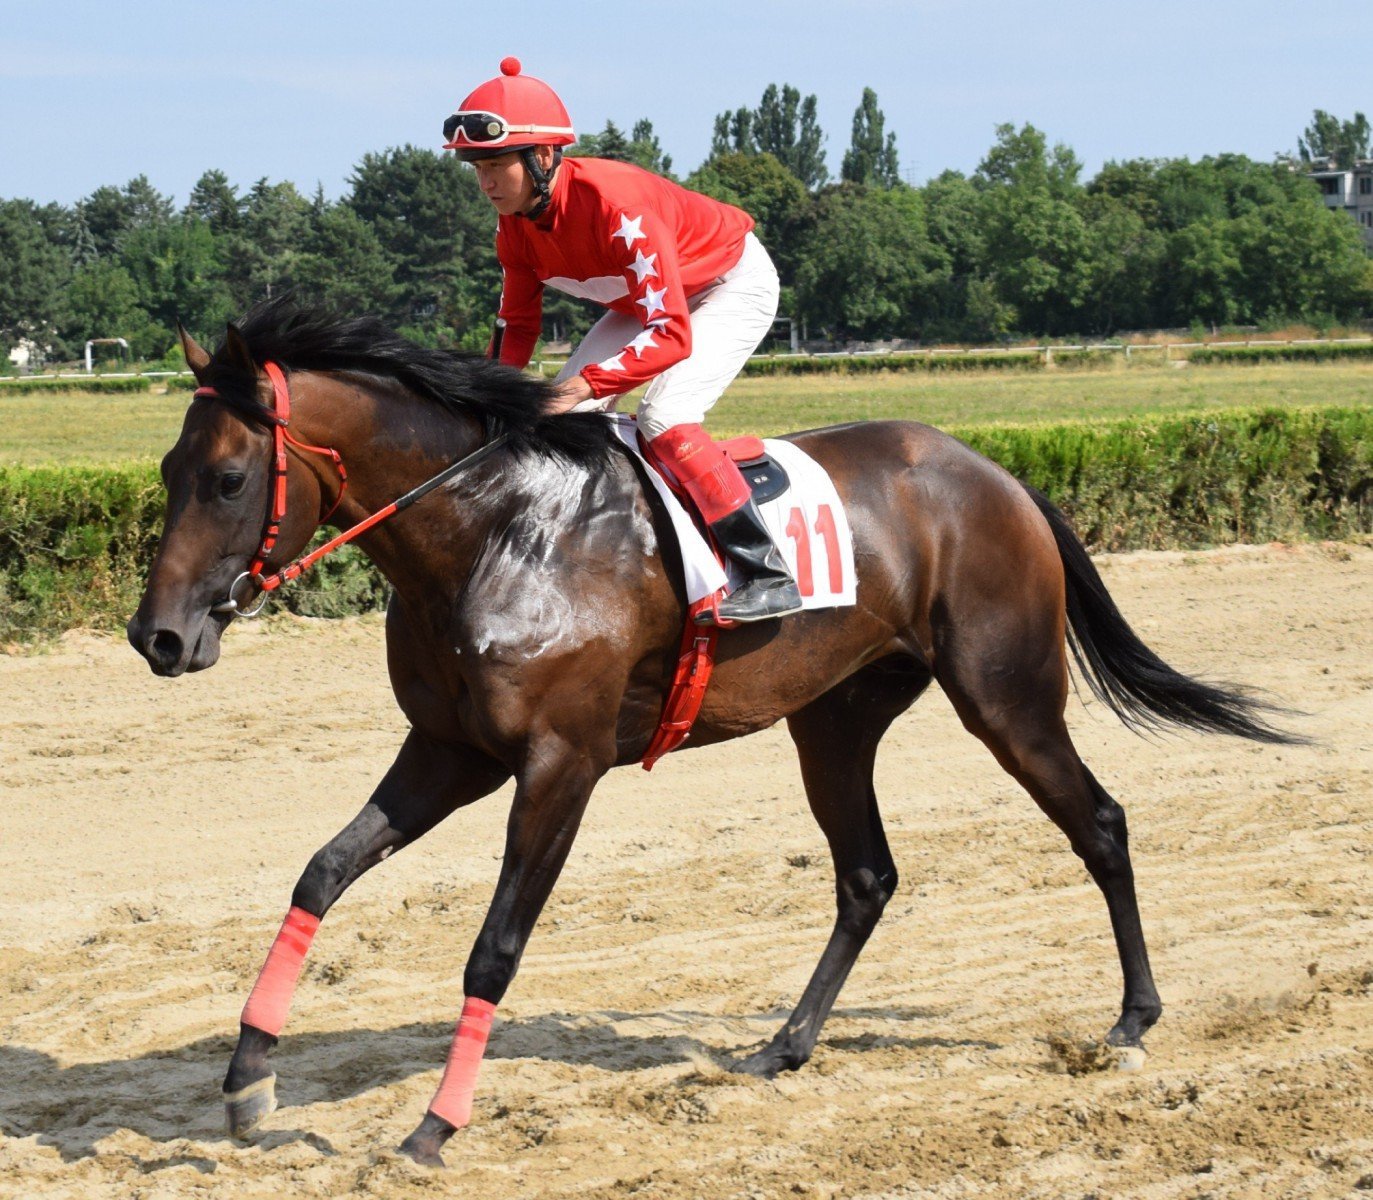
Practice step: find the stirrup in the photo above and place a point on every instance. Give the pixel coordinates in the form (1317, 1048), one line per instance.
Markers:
(758, 600)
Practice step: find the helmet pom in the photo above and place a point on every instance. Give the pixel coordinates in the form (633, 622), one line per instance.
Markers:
(510, 65)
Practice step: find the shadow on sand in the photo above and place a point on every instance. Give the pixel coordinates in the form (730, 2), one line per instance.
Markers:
(170, 1095)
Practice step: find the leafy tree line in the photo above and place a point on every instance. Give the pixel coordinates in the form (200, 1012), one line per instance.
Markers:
(1022, 244)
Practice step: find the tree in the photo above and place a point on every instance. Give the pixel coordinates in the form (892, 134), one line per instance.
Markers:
(438, 233)
(1201, 274)
(965, 303)
(647, 152)
(783, 125)
(216, 202)
(1300, 260)
(175, 268)
(1021, 158)
(109, 212)
(786, 127)
(35, 275)
(868, 267)
(259, 257)
(609, 143)
(342, 264)
(1329, 138)
(733, 133)
(871, 158)
(103, 301)
(1035, 237)
(1122, 258)
(146, 205)
(951, 215)
(641, 147)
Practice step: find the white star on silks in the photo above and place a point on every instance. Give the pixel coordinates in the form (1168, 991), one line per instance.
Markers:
(643, 267)
(652, 301)
(613, 363)
(629, 230)
(643, 342)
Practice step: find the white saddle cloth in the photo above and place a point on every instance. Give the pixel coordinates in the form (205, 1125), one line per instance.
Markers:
(807, 521)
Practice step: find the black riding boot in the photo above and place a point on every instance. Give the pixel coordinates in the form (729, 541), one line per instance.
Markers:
(768, 589)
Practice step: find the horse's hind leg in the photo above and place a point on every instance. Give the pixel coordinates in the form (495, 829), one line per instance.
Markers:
(425, 783)
(1013, 700)
(836, 737)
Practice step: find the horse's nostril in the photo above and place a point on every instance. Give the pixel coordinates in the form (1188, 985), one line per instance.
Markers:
(166, 646)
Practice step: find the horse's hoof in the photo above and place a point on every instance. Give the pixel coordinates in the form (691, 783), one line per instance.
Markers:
(1130, 1058)
(768, 1063)
(247, 1108)
(421, 1150)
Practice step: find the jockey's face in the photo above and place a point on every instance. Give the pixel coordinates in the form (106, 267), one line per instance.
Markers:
(505, 182)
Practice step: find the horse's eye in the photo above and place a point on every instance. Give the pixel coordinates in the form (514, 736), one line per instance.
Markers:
(231, 484)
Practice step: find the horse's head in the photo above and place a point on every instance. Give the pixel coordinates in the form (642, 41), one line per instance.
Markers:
(218, 479)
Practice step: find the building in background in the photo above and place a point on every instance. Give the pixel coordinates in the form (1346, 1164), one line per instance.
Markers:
(1351, 190)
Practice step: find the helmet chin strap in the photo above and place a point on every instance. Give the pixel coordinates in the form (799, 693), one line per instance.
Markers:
(542, 179)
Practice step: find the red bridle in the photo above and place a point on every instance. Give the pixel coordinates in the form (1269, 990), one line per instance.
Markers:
(279, 417)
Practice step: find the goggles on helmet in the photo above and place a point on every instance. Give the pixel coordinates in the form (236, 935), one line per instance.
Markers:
(490, 129)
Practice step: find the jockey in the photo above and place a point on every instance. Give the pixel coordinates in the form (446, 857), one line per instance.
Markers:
(689, 288)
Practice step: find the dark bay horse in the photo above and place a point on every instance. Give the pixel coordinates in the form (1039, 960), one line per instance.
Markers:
(536, 618)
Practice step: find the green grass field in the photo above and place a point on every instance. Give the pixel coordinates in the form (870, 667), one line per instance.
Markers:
(114, 429)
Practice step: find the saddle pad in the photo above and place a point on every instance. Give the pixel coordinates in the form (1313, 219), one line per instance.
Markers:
(807, 522)
(811, 529)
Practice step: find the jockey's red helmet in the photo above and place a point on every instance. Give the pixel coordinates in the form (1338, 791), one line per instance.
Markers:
(508, 113)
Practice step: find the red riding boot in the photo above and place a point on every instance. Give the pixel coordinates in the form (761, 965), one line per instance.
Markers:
(722, 497)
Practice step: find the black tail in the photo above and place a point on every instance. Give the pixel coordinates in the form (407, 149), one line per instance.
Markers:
(1128, 677)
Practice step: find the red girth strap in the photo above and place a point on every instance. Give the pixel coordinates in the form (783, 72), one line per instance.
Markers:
(695, 662)
(695, 659)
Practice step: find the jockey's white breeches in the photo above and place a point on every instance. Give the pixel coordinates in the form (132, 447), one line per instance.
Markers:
(728, 320)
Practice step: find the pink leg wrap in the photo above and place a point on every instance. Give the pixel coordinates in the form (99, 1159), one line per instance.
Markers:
(270, 999)
(453, 1100)
(708, 474)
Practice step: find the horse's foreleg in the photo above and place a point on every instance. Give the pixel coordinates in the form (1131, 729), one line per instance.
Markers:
(425, 783)
(836, 738)
(549, 802)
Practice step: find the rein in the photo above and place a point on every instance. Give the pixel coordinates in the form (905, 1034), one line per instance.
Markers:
(279, 418)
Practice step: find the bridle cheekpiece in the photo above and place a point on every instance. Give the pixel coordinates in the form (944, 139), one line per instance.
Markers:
(279, 418)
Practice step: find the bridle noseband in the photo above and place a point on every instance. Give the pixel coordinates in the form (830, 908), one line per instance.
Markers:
(279, 418)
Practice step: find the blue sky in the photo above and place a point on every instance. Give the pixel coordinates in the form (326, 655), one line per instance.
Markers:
(94, 93)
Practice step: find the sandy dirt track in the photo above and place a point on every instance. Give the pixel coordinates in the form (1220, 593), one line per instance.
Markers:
(151, 830)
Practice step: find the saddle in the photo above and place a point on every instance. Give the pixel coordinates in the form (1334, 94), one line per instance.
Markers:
(766, 477)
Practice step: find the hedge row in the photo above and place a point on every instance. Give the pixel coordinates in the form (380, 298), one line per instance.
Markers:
(75, 542)
(1310, 352)
(1037, 360)
(863, 364)
(1187, 482)
(48, 387)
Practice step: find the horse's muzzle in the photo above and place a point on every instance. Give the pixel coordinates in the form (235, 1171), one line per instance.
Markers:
(171, 652)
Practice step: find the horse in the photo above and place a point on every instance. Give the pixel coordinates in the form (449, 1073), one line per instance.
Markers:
(535, 623)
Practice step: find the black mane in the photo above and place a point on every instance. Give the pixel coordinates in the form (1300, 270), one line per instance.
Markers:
(509, 400)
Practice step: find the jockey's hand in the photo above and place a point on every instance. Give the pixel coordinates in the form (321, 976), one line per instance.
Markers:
(568, 394)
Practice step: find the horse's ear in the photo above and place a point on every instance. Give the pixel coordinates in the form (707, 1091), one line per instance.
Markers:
(196, 356)
(237, 352)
